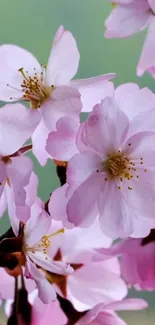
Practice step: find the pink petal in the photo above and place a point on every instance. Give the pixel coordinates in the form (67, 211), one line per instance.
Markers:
(133, 100)
(94, 89)
(37, 226)
(31, 190)
(17, 124)
(13, 58)
(57, 267)
(125, 21)
(81, 166)
(147, 59)
(142, 122)
(3, 176)
(63, 60)
(96, 284)
(128, 304)
(65, 101)
(19, 177)
(115, 213)
(61, 144)
(12, 209)
(3, 203)
(57, 210)
(45, 314)
(82, 208)
(39, 139)
(142, 145)
(105, 318)
(101, 128)
(46, 291)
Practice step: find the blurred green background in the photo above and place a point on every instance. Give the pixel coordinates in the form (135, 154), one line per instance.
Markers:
(32, 24)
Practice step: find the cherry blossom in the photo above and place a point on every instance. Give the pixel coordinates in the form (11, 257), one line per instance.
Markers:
(129, 17)
(111, 167)
(91, 282)
(35, 249)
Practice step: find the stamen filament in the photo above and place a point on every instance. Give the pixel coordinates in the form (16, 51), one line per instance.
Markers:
(62, 230)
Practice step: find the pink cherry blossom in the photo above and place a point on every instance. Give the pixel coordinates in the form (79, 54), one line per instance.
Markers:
(105, 313)
(35, 248)
(129, 17)
(24, 78)
(140, 254)
(115, 171)
(91, 282)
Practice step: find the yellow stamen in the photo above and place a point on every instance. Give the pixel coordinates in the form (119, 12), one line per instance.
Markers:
(62, 230)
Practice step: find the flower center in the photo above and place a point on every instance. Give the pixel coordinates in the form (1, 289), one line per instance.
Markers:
(43, 244)
(34, 88)
(116, 166)
(119, 167)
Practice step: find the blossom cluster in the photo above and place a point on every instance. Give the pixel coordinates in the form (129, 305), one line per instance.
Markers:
(59, 264)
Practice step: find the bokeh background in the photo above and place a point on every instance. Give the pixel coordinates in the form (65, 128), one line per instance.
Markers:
(32, 24)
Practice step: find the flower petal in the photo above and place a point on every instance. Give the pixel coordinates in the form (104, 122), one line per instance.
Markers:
(46, 291)
(128, 304)
(94, 89)
(57, 267)
(82, 206)
(65, 101)
(133, 100)
(125, 21)
(57, 210)
(115, 213)
(61, 144)
(147, 59)
(39, 139)
(38, 224)
(16, 126)
(81, 166)
(63, 60)
(101, 128)
(19, 177)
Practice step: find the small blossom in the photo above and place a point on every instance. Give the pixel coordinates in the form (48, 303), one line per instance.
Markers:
(36, 243)
(91, 281)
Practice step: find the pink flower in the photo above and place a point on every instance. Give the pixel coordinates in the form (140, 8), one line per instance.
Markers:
(16, 127)
(112, 174)
(36, 243)
(105, 313)
(138, 253)
(92, 282)
(129, 17)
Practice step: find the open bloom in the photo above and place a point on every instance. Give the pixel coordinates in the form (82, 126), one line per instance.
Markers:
(129, 17)
(47, 87)
(115, 170)
(36, 243)
(92, 282)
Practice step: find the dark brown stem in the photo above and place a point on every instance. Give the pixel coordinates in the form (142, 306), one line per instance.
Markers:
(61, 172)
